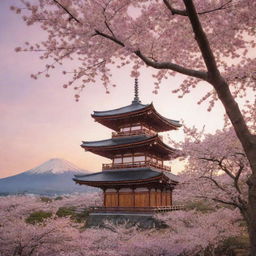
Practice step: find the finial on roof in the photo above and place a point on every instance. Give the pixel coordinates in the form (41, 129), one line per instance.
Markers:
(136, 92)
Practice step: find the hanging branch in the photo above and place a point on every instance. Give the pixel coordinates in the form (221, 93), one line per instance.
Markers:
(71, 16)
(184, 12)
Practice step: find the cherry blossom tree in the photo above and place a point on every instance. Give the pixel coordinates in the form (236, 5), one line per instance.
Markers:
(21, 239)
(216, 171)
(197, 232)
(189, 233)
(209, 41)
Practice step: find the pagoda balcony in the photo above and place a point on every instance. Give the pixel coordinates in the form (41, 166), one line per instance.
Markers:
(148, 163)
(154, 209)
(135, 132)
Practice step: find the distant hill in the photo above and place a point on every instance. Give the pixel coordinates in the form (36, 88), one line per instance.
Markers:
(50, 178)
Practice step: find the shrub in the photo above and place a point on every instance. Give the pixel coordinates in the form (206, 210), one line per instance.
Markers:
(73, 214)
(65, 211)
(58, 198)
(82, 216)
(232, 244)
(199, 206)
(38, 217)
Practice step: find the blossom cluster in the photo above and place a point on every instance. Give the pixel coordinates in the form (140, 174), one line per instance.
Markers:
(102, 35)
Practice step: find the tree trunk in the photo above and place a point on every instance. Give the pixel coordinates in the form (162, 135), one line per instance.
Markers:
(247, 139)
(252, 213)
(248, 142)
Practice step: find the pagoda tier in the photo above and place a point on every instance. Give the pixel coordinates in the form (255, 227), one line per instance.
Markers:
(130, 178)
(135, 113)
(130, 189)
(152, 145)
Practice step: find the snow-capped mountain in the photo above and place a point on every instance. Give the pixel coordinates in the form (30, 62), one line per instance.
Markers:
(50, 178)
(55, 166)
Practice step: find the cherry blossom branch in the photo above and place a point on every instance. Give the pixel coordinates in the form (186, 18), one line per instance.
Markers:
(174, 10)
(117, 10)
(184, 12)
(229, 173)
(214, 181)
(52, 64)
(243, 203)
(221, 86)
(201, 39)
(71, 16)
(155, 64)
(219, 162)
(114, 39)
(226, 202)
(222, 7)
(106, 23)
(220, 201)
(172, 66)
(237, 178)
(240, 153)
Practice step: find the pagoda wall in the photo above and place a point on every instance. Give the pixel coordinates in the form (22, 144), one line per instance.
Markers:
(139, 197)
(142, 197)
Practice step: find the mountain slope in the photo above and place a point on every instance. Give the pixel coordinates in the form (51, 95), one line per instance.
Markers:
(55, 166)
(50, 178)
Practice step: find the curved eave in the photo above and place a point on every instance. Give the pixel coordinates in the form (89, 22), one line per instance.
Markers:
(160, 123)
(108, 151)
(126, 178)
(89, 145)
(118, 183)
(114, 121)
(132, 108)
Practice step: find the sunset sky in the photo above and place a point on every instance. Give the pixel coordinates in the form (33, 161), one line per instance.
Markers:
(40, 120)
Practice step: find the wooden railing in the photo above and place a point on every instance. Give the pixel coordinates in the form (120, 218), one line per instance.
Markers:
(135, 132)
(177, 207)
(139, 164)
(138, 209)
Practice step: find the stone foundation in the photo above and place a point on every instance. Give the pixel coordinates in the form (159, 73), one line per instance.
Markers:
(142, 220)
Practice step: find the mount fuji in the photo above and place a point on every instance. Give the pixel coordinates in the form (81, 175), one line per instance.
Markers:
(50, 178)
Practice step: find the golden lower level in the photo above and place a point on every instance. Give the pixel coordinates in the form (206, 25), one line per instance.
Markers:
(140, 197)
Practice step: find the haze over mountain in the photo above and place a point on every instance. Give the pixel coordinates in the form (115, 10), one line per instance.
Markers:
(50, 178)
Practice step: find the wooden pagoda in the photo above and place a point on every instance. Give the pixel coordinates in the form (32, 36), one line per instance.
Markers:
(136, 179)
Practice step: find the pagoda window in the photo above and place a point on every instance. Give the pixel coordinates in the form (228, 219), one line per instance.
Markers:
(132, 127)
(127, 159)
(117, 160)
(136, 128)
(140, 158)
(125, 129)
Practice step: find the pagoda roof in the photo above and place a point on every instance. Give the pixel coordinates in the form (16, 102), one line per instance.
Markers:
(115, 145)
(116, 141)
(116, 117)
(127, 109)
(131, 176)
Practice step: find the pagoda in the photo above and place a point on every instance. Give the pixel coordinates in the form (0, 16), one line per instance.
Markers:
(136, 179)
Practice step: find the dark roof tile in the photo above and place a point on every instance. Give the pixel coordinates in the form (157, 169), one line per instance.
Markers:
(115, 141)
(130, 108)
(131, 174)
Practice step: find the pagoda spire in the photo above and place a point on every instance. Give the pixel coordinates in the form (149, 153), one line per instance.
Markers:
(136, 92)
